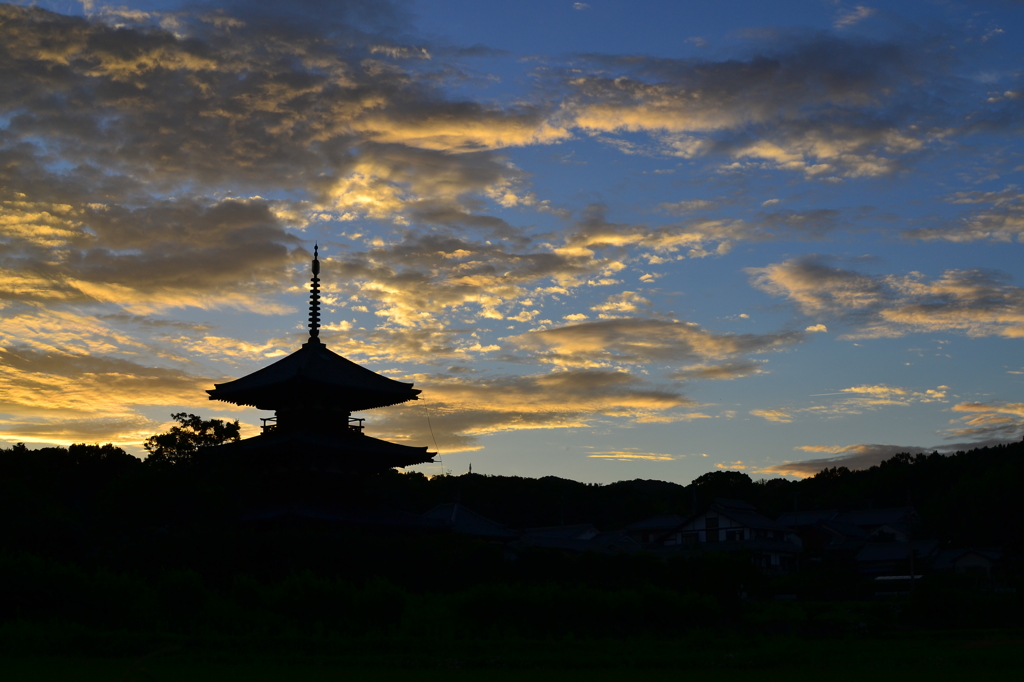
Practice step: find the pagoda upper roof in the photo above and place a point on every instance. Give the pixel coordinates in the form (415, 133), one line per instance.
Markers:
(314, 375)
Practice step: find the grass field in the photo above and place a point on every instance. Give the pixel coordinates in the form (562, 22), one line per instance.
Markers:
(931, 656)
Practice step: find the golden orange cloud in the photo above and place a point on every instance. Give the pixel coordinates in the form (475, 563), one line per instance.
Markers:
(462, 409)
(780, 416)
(631, 456)
(857, 456)
(642, 340)
(988, 422)
(973, 302)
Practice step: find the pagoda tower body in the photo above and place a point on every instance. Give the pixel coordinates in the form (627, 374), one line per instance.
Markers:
(313, 393)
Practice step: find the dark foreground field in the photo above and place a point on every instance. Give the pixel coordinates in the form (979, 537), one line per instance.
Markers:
(942, 655)
(113, 569)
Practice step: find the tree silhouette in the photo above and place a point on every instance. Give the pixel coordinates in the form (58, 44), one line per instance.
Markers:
(192, 434)
(734, 485)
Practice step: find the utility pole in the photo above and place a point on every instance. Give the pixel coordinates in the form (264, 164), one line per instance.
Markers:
(910, 542)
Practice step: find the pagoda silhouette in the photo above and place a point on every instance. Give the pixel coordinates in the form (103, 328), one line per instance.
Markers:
(313, 393)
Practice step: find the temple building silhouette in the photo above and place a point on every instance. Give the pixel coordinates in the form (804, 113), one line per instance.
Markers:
(313, 393)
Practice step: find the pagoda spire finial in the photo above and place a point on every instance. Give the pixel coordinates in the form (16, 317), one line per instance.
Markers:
(314, 300)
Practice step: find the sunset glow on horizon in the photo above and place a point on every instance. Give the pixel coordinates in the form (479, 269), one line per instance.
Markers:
(607, 240)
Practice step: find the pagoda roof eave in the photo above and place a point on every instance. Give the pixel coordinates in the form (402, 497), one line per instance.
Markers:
(314, 372)
(324, 395)
(325, 450)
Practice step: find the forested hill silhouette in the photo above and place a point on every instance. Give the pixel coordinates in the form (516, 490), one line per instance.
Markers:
(72, 497)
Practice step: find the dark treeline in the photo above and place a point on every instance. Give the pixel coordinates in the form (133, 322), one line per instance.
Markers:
(967, 498)
(90, 535)
(85, 493)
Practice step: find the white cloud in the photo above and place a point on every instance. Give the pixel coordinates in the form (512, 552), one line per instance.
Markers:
(851, 17)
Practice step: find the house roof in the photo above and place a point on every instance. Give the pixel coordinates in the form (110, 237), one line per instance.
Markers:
(602, 543)
(314, 374)
(845, 530)
(734, 504)
(656, 523)
(757, 544)
(877, 517)
(948, 558)
(893, 529)
(896, 551)
(462, 520)
(806, 518)
(746, 516)
(579, 531)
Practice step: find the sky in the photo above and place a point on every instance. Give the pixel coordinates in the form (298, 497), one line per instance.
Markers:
(607, 240)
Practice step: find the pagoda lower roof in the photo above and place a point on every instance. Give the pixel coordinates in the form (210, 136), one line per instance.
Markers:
(314, 374)
(324, 452)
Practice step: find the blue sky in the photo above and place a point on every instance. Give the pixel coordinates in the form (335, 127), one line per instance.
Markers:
(608, 240)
